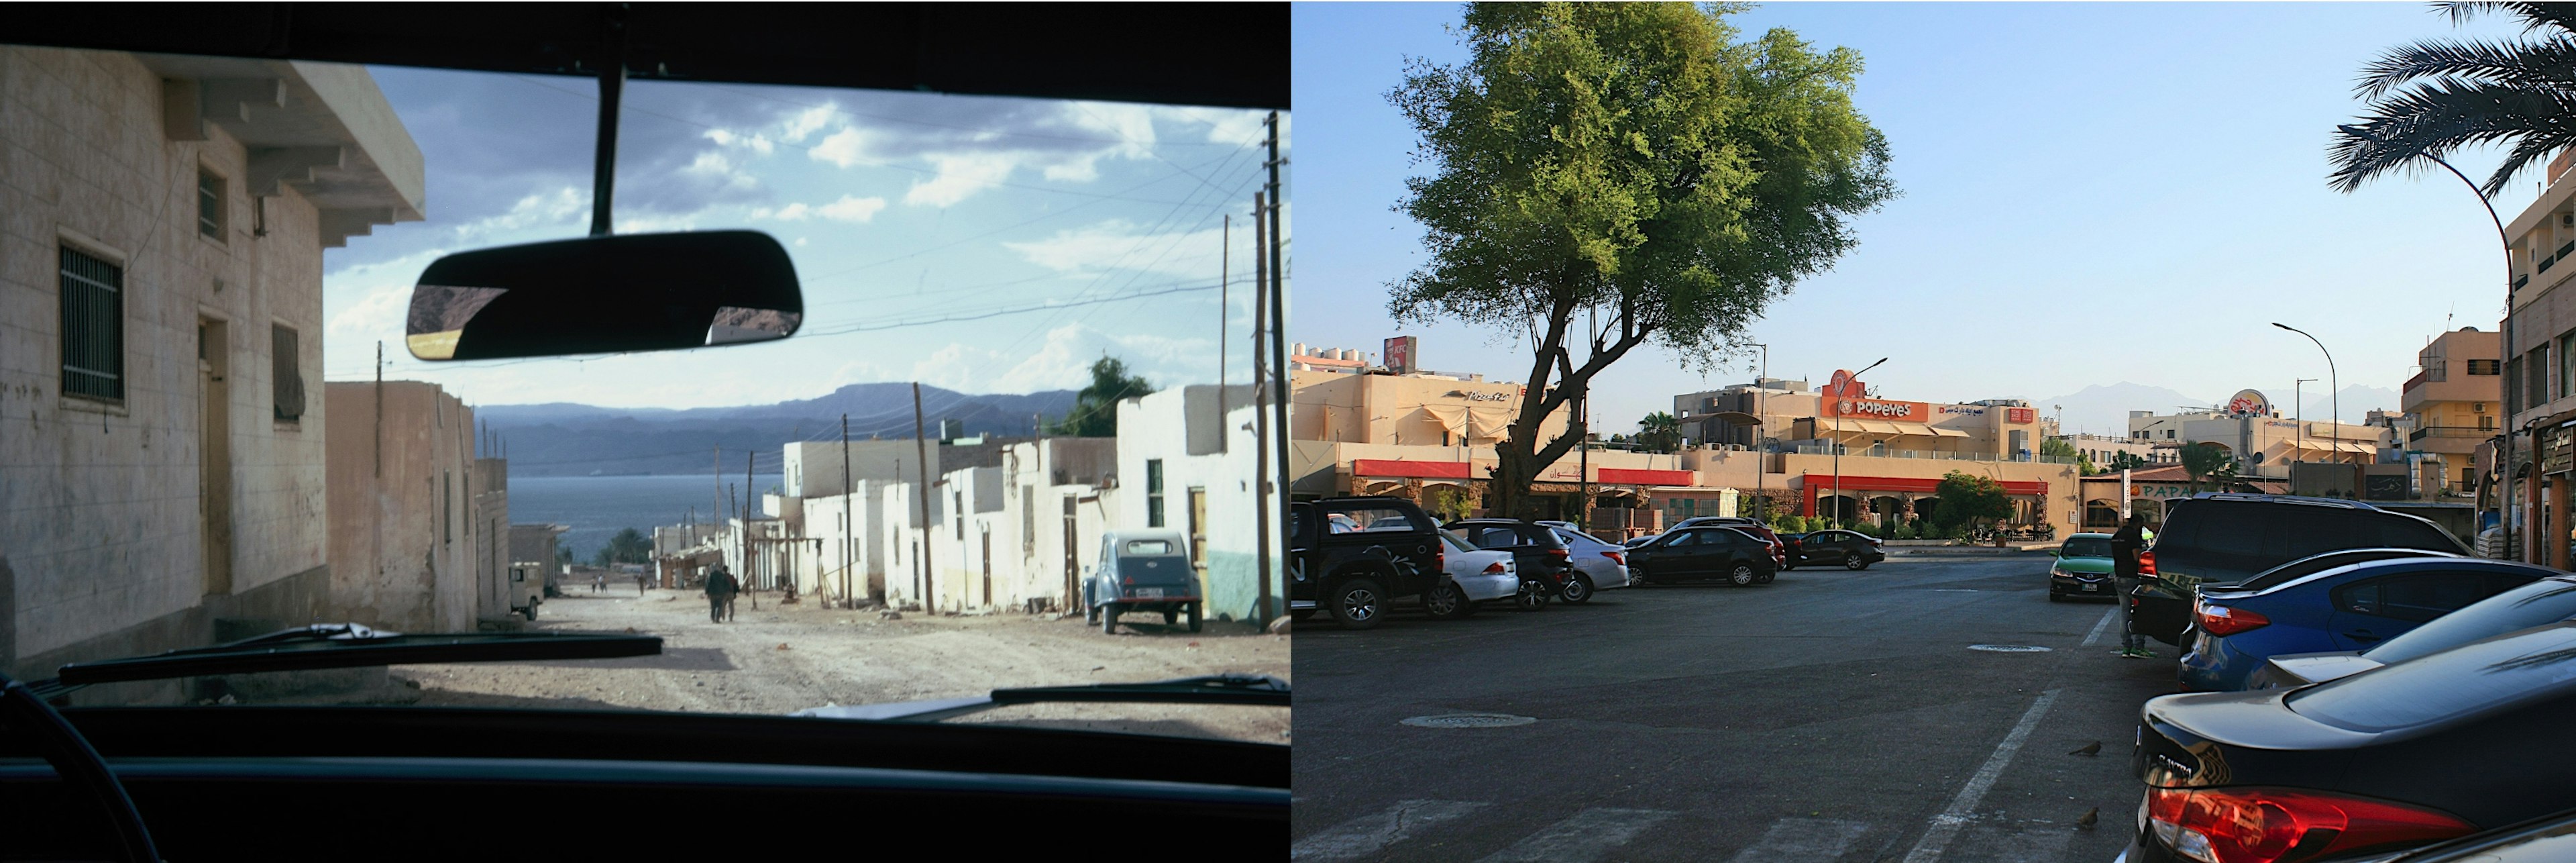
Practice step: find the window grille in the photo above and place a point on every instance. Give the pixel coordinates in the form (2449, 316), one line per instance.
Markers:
(93, 327)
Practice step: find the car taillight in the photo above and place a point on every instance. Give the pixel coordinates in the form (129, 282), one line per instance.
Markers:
(1495, 569)
(1560, 554)
(2222, 620)
(2146, 563)
(1615, 558)
(1440, 561)
(2279, 825)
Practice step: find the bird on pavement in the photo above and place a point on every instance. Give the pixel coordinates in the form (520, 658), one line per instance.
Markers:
(2093, 748)
(2091, 816)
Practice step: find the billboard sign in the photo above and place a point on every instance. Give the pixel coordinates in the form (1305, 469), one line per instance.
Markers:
(2248, 403)
(1400, 354)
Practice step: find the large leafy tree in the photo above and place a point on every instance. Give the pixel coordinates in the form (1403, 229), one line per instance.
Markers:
(2430, 98)
(1607, 175)
(1969, 500)
(1095, 408)
(2204, 460)
(2125, 460)
(628, 546)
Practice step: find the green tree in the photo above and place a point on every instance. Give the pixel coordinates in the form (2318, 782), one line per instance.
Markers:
(2062, 448)
(628, 546)
(2431, 98)
(2204, 460)
(1606, 175)
(1967, 501)
(2125, 460)
(1095, 408)
(1659, 432)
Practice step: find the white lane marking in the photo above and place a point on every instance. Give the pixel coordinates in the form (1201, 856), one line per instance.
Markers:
(1998, 843)
(2103, 624)
(1945, 826)
(1370, 834)
(1803, 840)
(1587, 836)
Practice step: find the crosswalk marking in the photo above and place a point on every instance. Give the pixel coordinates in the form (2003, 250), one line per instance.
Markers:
(1587, 836)
(1370, 834)
(1803, 840)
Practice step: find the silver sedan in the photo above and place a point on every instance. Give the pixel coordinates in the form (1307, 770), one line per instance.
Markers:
(1601, 565)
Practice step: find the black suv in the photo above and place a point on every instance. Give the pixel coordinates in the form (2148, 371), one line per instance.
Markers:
(1351, 556)
(1542, 558)
(2216, 539)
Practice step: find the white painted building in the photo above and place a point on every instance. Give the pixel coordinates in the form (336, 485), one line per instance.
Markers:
(1181, 467)
(162, 221)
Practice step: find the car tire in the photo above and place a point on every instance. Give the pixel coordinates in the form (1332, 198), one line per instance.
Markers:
(1529, 599)
(530, 611)
(1446, 601)
(1578, 590)
(1109, 620)
(1356, 603)
(1852, 561)
(1198, 616)
(1172, 617)
(1742, 575)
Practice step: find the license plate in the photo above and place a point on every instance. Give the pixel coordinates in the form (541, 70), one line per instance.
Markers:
(1148, 593)
(2091, 588)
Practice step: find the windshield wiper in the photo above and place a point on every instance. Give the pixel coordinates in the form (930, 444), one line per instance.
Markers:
(347, 645)
(1228, 689)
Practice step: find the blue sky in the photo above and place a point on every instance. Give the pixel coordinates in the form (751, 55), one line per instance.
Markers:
(897, 208)
(2091, 193)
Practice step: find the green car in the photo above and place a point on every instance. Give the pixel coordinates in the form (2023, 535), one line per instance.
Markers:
(2083, 568)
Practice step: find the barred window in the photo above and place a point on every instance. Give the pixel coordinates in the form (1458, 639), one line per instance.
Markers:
(210, 204)
(93, 327)
(2483, 367)
(286, 373)
(1153, 492)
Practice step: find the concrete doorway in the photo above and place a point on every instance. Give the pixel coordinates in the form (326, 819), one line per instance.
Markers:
(215, 462)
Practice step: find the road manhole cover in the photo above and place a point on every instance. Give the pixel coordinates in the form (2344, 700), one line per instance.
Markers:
(2009, 648)
(1469, 720)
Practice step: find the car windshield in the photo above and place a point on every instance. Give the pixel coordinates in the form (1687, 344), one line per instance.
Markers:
(2087, 546)
(2548, 600)
(991, 288)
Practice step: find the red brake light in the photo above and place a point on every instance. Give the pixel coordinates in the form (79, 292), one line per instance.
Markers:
(2265, 825)
(2146, 563)
(1440, 560)
(1615, 558)
(1560, 554)
(1494, 569)
(2222, 620)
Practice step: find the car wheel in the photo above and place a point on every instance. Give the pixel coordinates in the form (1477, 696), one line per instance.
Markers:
(1109, 620)
(1198, 616)
(531, 612)
(1444, 601)
(1357, 603)
(1579, 590)
(1851, 560)
(1741, 576)
(1529, 599)
(1171, 617)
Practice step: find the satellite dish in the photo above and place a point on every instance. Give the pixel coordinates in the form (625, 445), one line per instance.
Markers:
(1738, 418)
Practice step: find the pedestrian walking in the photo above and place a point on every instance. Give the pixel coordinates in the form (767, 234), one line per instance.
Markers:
(598, 582)
(639, 584)
(2126, 545)
(720, 590)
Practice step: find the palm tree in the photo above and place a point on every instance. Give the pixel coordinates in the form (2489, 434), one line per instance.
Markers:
(2433, 97)
(1659, 432)
(2203, 460)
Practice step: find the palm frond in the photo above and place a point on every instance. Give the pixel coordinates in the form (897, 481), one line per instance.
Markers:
(2437, 117)
(2547, 63)
(2535, 16)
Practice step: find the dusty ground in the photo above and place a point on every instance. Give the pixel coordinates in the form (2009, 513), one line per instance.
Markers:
(775, 660)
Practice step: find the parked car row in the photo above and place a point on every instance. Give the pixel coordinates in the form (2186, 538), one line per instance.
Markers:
(2370, 692)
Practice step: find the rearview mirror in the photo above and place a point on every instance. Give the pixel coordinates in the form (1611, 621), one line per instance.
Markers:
(609, 294)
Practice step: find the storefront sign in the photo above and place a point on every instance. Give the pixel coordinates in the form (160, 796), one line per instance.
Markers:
(1478, 397)
(1964, 410)
(1859, 408)
(1400, 354)
(2249, 403)
(2557, 450)
(2021, 416)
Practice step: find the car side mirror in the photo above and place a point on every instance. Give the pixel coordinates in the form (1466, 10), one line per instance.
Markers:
(605, 294)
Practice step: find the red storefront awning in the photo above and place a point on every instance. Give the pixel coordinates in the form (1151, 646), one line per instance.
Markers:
(1850, 483)
(1402, 469)
(1635, 476)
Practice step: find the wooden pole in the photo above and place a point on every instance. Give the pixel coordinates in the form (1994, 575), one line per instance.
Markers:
(847, 549)
(1278, 350)
(1260, 420)
(921, 447)
(746, 528)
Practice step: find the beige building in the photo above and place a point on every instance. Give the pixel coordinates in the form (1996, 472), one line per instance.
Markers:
(2099, 449)
(162, 222)
(420, 529)
(2264, 443)
(2537, 345)
(2456, 402)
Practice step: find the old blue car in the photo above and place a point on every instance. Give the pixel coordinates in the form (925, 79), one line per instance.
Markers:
(1143, 571)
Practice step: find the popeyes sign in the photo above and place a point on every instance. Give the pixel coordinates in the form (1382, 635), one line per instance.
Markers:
(1843, 399)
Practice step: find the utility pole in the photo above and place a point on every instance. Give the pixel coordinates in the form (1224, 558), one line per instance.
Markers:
(747, 456)
(1761, 438)
(380, 410)
(1583, 438)
(921, 447)
(1278, 343)
(1260, 416)
(848, 550)
(1224, 310)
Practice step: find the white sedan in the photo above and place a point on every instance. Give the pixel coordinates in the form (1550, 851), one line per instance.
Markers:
(1603, 566)
(1474, 575)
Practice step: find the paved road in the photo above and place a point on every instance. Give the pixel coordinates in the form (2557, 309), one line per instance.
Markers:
(1829, 716)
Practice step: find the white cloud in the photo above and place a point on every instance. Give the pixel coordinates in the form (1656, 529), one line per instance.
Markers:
(960, 176)
(713, 163)
(852, 208)
(807, 122)
(800, 242)
(755, 142)
(1117, 245)
(844, 148)
(564, 206)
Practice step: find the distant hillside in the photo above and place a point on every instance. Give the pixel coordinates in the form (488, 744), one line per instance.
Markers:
(565, 439)
(2104, 408)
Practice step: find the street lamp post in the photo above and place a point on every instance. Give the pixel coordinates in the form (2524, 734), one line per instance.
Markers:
(1839, 395)
(2504, 453)
(1761, 441)
(2331, 383)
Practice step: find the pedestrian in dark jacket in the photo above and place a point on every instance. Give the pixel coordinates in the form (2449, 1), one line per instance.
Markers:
(2126, 545)
(720, 591)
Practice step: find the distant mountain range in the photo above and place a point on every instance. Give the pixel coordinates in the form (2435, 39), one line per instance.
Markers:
(566, 439)
(2104, 408)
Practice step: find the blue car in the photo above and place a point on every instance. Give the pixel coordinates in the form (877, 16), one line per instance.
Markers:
(2344, 608)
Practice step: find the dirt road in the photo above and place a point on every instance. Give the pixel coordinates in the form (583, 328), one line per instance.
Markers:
(778, 659)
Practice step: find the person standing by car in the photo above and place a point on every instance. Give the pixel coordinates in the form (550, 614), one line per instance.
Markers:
(720, 590)
(2125, 547)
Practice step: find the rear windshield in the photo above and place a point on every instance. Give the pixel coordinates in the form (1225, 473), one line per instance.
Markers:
(2544, 601)
(1577, 540)
(2273, 532)
(2088, 546)
(2304, 567)
(1450, 539)
(2493, 674)
(1150, 547)
(1369, 520)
